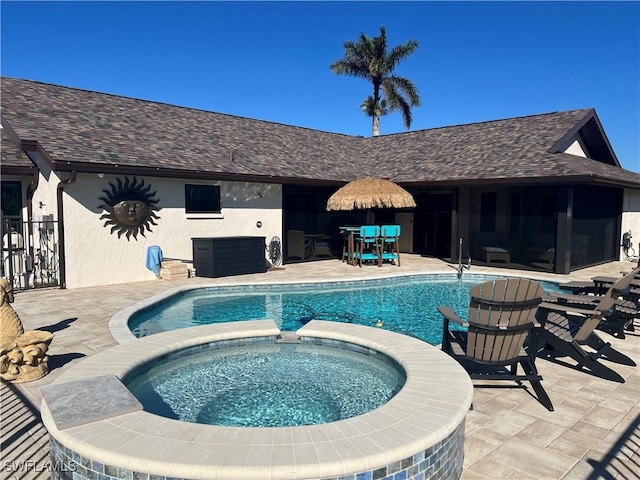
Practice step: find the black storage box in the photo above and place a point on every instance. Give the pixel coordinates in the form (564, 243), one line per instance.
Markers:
(224, 256)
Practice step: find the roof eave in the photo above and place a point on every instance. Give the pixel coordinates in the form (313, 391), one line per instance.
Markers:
(82, 167)
(33, 148)
(17, 170)
(525, 181)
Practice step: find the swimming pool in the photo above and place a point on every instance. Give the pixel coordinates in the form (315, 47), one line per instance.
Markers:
(405, 305)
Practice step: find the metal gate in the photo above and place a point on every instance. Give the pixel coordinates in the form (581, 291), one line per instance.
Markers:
(30, 257)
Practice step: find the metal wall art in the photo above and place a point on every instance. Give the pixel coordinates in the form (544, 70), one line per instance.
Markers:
(130, 207)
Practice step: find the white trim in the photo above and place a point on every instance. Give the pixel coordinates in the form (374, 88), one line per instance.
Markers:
(203, 216)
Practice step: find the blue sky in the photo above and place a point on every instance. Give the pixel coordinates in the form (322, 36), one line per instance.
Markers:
(477, 61)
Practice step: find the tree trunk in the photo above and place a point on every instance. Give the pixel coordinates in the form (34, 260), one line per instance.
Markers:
(375, 130)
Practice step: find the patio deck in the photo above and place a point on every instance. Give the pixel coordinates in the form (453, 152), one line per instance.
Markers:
(593, 433)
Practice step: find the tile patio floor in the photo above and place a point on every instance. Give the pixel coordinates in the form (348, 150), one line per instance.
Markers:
(593, 433)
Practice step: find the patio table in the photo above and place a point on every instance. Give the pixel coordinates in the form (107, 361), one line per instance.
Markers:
(601, 283)
(348, 232)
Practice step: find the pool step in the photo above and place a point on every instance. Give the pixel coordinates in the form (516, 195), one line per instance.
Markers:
(288, 337)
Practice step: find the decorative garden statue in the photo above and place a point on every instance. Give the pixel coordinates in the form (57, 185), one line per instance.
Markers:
(23, 355)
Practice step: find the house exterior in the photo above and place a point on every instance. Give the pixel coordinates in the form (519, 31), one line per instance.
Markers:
(540, 192)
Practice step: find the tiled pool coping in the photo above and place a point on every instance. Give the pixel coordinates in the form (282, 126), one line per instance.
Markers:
(428, 413)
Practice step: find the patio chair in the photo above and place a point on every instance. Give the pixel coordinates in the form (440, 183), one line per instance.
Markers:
(389, 243)
(566, 330)
(491, 247)
(321, 247)
(367, 245)
(626, 301)
(297, 246)
(501, 316)
(541, 250)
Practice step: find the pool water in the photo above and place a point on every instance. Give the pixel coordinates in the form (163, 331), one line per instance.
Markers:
(405, 305)
(268, 385)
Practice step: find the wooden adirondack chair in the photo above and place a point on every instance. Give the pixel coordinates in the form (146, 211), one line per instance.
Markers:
(501, 315)
(626, 302)
(567, 328)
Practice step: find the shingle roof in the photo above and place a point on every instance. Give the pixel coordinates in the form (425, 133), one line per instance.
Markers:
(509, 149)
(11, 155)
(79, 127)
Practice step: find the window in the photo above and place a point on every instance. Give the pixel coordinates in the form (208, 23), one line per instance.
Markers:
(202, 198)
(11, 199)
(11, 206)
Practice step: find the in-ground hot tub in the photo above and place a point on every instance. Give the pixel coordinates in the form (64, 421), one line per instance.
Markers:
(418, 433)
(267, 384)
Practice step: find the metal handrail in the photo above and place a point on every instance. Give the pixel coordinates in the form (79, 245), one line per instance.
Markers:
(462, 267)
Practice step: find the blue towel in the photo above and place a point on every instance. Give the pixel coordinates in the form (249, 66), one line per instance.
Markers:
(154, 258)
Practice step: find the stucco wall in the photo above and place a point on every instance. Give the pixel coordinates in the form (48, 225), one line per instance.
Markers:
(576, 148)
(631, 218)
(44, 198)
(95, 256)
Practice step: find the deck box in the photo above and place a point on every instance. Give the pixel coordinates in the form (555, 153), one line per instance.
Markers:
(225, 256)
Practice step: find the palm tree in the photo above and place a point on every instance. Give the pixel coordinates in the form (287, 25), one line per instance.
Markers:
(368, 58)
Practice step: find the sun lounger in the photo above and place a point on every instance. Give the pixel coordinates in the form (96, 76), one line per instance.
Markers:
(626, 302)
(567, 330)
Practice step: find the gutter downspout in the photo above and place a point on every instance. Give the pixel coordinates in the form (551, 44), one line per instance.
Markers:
(61, 244)
(31, 190)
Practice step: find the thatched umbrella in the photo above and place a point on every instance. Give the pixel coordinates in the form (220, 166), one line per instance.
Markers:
(367, 193)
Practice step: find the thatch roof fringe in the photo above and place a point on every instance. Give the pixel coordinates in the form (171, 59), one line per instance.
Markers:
(369, 193)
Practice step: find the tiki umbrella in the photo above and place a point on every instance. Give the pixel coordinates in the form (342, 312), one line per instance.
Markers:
(368, 193)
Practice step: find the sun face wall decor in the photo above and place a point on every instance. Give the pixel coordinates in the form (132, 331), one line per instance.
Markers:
(130, 207)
